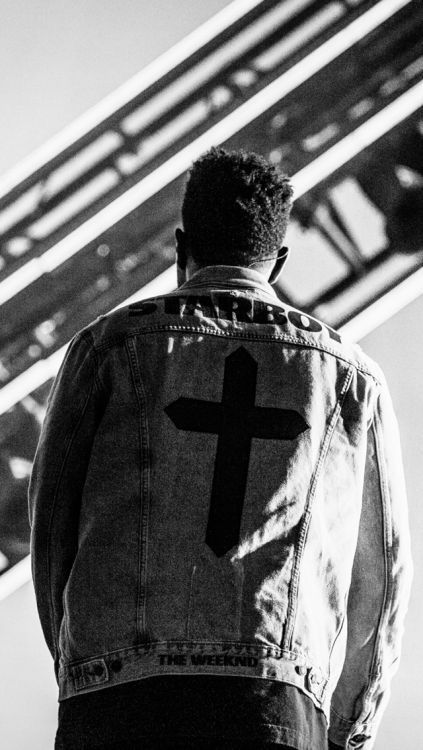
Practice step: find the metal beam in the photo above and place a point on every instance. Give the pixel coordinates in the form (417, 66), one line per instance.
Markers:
(218, 133)
(303, 181)
(132, 88)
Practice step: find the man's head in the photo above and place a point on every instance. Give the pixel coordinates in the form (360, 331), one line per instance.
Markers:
(235, 212)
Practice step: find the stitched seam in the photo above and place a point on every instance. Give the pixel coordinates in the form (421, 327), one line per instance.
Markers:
(186, 644)
(190, 598)
(59, 480)
(144, 510)
(140, 542)
(373, 673)
(295, 578)
(387, 547)
(97, 379)
(266, 338)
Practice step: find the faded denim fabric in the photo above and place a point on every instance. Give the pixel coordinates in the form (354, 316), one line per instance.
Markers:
(218, 489)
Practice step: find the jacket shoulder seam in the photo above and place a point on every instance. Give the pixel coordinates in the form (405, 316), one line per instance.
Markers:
(119, 339)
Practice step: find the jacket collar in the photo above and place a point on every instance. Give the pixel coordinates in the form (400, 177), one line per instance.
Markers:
(229, 277)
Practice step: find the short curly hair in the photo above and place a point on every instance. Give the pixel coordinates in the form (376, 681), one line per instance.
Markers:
(236, 208)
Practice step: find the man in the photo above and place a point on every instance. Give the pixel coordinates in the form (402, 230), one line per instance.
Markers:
(219, 538)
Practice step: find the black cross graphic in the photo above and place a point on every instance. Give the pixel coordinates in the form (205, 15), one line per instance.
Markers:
(236, 420)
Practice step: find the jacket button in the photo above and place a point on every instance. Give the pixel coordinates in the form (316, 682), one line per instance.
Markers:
(316, 677)
(301, 670)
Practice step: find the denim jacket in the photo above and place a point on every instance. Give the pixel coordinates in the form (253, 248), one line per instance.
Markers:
(218, 489)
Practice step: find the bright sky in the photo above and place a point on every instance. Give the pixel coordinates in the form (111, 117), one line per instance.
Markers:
(59, 57)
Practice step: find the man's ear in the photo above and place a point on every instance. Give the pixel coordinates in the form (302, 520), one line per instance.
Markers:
(279, 264)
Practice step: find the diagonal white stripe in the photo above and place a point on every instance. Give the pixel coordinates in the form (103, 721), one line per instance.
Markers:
(14, 578)
(129, 90)
(220, 132)
(384, 308)
(304, 180)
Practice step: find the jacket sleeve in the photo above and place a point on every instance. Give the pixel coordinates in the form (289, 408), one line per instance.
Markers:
(57, 481)
(379, 591)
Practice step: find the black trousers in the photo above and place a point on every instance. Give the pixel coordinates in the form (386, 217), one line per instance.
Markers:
(179, 744)
(196, 713)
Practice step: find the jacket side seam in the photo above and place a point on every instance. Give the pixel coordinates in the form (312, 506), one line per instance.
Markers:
(305, 523)
(144, 500)
(59, 480)
(387, 545)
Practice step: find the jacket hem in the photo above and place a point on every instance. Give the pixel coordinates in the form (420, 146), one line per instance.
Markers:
(194, 657)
